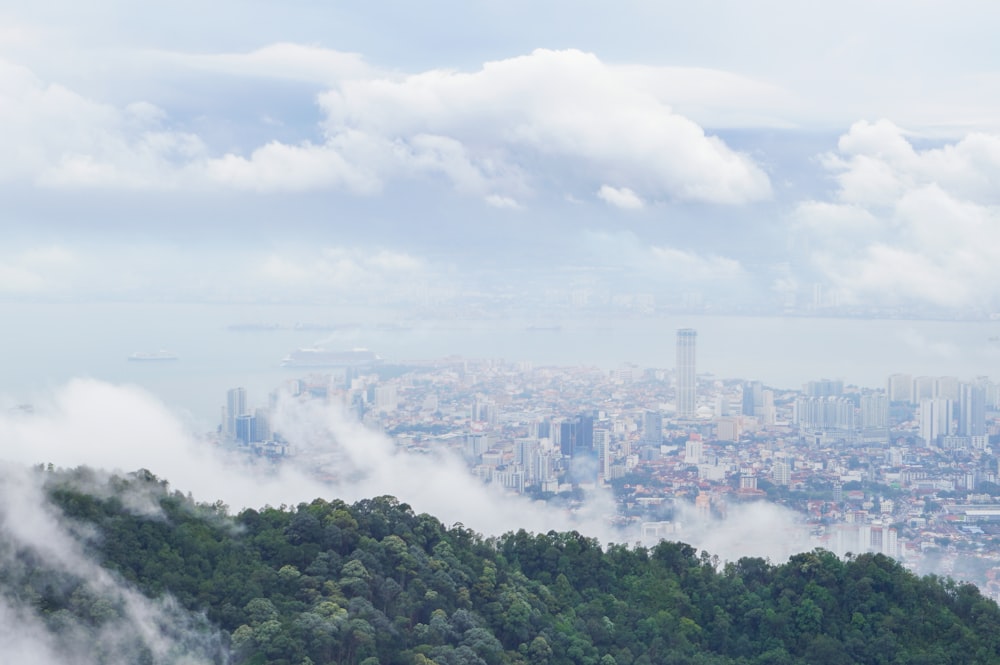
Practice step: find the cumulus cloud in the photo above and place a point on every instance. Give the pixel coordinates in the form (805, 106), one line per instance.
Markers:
(496, 133)
(907, 224)
(622, 197)
(552, 104)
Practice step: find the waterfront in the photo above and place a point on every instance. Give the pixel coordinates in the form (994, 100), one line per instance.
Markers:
(45, 345)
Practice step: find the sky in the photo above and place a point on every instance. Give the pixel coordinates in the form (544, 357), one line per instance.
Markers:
(304, 150)
(244, 151)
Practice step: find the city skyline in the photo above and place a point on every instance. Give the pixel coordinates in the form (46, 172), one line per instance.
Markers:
(603, 274)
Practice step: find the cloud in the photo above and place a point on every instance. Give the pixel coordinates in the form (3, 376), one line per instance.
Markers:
(283, 60)
(278, 167)
(626, 251)
(623, 198)
(754, 529)
(99, 424)
(907, 224)
(31, 530)
(555, 105)
(498, 133)
(147, 272)
(337, 273)
(693, 267)
(43, 270)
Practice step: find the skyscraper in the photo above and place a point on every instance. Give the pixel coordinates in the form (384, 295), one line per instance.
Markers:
(686, 378)
(971, 410)
(236, 405)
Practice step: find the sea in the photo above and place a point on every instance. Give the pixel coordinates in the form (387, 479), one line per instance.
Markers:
(221, 346)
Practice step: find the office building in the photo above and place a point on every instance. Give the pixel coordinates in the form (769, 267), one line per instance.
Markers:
(874, 410)
(246, 429)
(652, 428)
(752, 397)
(576, 436)
(824, 388)
(686, 376)
(236, 406)
(935, 419)
(971, 410)
(900, 388)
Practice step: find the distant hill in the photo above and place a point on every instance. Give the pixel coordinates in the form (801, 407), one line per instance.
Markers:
(372, 582)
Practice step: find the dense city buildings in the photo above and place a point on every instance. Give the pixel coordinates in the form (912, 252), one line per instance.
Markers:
(908, 470)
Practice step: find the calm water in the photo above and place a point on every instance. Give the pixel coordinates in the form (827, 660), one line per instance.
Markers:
(43, 346)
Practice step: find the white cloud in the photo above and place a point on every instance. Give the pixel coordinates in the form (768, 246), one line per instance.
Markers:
(693, 267)
(282, 60)
(553, 104)
(345, 273)
(495, 133)
(281, 167)
(38, 270)
(622, 197)
(158, 272)
(97, 424)
(30, 525)
(908, 224)
(663, 263)
(498, 201)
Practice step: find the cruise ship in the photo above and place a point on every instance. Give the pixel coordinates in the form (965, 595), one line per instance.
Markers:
(323, 358)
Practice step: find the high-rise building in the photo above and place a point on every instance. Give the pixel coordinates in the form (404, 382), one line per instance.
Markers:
(602, 442)
(824, 388)
(752, 397)
(686, 377)
(652, 428)
(900, 388)
(935, 419)
(576, 436)
(924, 387)
(946, 387)
(236, 406)
(971, 410)
(693, 451)
(874, 410)
(246, 429)
(781, 473)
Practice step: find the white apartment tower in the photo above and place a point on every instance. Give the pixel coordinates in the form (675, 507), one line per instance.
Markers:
(686, 377)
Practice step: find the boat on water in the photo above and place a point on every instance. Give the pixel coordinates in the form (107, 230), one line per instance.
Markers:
(316, 357)
(152, 356)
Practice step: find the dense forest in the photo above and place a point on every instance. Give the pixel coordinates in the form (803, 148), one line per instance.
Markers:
(373, 582)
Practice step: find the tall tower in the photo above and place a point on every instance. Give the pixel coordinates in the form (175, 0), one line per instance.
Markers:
(686, 379)
(236, 406)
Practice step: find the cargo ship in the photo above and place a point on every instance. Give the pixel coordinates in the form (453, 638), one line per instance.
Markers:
(152, 356)
(323, 358)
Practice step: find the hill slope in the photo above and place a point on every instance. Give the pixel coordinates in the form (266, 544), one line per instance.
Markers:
(327, 582)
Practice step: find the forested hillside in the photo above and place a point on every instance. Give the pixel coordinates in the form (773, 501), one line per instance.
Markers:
(373, 582)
